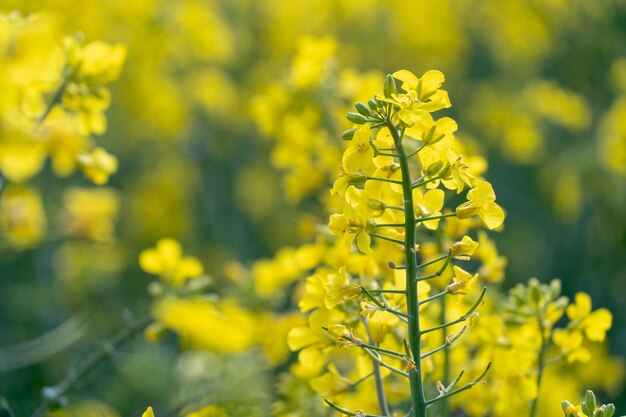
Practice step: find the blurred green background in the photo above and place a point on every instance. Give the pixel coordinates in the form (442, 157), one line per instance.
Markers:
(537, 86)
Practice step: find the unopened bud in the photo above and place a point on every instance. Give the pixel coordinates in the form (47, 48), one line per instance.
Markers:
(349, 134)
(567, 407)
(445, 171)
(356, 118)
(555, 288)
(590, 403)
(466, 210)
(372, 104)
(609, 410)
(357, 179)
(389, 86)
(362, 108)
(434, 168)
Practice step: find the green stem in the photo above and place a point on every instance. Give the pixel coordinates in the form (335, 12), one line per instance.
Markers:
(424, 265)
(384, 180)
(534, 406)
(390, 239)
(464, 317)
(378, 379)
(464, 388)
(446, 357)
(348, 412)
(376, 357)
(53, 394)
(432, 297)
(421, 183)
(382, 350)
(443, 216)
(57, 96)
(387, 291)
(418, 398)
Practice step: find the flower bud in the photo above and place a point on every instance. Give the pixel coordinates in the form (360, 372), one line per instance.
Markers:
(372, 103)
(590, 403)
(434, 168)
(348, 134)
(362, 108)
(466, 210)
(389, 86)
(445, 171)
(555, 288)
(567, 408)
(356, 118)
(609, 410)
(357, 179)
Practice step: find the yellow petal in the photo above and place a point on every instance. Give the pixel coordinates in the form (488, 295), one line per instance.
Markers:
(492, 214)
(363, 241)
(409, 80)
(429, 84)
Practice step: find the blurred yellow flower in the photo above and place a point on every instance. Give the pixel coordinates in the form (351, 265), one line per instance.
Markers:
(98, 165)
(167, 261)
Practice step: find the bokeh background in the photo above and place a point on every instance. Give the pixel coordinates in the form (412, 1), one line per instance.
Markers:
(227, 120)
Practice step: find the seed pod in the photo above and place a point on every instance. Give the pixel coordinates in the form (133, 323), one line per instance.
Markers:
(362, 108)
(356, 118)
(389, 86)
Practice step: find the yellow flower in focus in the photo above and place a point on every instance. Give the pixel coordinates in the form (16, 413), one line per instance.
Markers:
(314, 293)
(428, 204)
(481, 202)
(98, 165)
(463, 249)
(339, 289)
(380, 324)
(425, 86)
(350, 225)
(463, 283)
(166, 260)
(360, 153)
(593, 324)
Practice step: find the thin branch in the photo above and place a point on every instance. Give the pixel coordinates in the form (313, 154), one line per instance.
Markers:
(390, 239)
(463, 388)
(348, 412)
(464, 317)
(106, 349)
